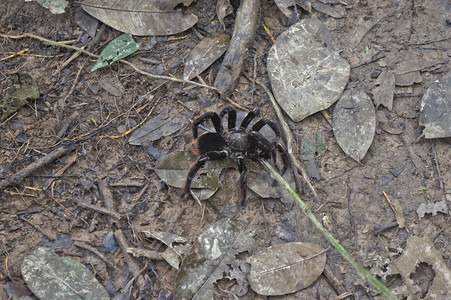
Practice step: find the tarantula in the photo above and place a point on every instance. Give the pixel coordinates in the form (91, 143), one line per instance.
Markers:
(236, 143)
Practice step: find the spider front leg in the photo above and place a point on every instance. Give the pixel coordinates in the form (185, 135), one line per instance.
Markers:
(215, 120)
(243, 181)
(213, 155)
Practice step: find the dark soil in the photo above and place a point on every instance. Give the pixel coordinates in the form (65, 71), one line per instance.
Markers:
(114, 99)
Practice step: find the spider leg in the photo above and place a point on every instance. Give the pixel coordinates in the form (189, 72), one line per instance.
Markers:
(259, 125)
(285, 160)
(215, 120)
(249, 117)
(243, 180)
(231, 117)
(262, 122)
(213, 155)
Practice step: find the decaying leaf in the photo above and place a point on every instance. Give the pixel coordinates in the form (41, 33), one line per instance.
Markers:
(286, 268)
(432, 208)
(408, 79)
(204, 54)
(165, 123)
(435, 113)
(174, 167)
(354, 122)
(24, 88)
(52, 277)
(177, 246)
(335, 11)
(212, 254)
(284, 5)
(223, 9)
(55, 6)
(399, 213)
(418, 250)
(306, 76)
(86, 21)
(384, 90)
(120, 47)
(152, 17)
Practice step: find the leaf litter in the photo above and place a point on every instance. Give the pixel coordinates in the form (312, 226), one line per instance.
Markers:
(213, 252)
(410, 78)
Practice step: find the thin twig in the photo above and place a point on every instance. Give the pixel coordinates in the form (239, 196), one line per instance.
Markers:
(99, 209)
(290, 141)
(20, 176)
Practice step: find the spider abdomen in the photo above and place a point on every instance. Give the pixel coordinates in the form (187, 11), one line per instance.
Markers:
(207, 142)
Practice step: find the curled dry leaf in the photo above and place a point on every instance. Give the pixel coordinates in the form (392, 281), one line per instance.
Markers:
(354, 123)
(151, 17)
(435, 113)
(204, 54)
(286, 268)
(306, 76)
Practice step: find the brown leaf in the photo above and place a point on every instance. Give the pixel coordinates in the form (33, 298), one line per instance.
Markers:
(204, 54)
(284, 5)
(286, 268)
(213, 252)
(354, 123)
(137, 17)
(384, 90)
(223, 9)
(335, 11)
(306, 77)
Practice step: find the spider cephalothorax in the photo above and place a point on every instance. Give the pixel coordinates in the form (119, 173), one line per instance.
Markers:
(236, 143)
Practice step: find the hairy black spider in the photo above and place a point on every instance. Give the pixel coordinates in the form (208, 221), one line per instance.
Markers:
(236, 143)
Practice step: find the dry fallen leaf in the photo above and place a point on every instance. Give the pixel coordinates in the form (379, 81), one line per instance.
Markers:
(420, 250)
(384, 90)
(306, 77)
(151, 17)
(286, 268)
(435, 113)
(354, 123)
(284, 5)
(204, 54)
(212, 255)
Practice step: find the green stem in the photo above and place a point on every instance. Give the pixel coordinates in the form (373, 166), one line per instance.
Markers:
(380, 286)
